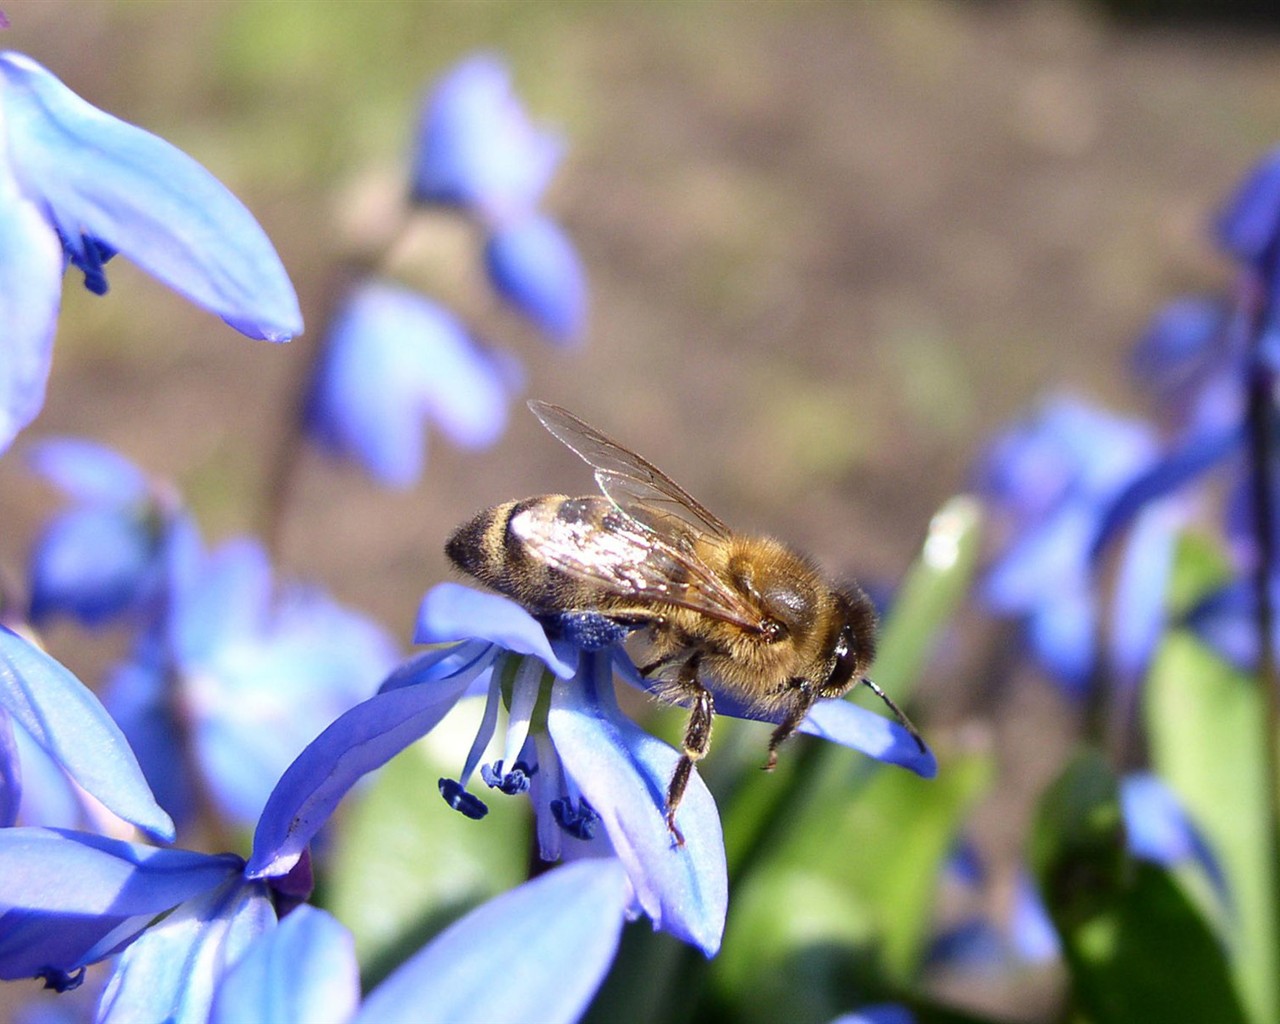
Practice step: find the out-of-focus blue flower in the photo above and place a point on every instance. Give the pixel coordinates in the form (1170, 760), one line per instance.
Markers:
(393, 361)
(243, 678)
(536, 269)
(1249, 225)
(1159, 830)
(106, 554)
(879, 1013)
(1051, 480)
(480, 969)
(78, 186)
(477, 148)
(1184, 345)
(1227, 620)
(62, 717)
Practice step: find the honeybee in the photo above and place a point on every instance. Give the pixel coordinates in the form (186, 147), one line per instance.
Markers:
(723, 613)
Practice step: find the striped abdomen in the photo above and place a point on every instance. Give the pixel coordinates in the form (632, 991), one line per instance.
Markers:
(487, 548)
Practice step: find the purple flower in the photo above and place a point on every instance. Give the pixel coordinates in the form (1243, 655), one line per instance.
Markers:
(477, 148)
(245, 674)
(392, 362)
(77, 185)
(1249, 225)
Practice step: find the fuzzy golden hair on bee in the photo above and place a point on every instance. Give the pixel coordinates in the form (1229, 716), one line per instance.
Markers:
(715, 611)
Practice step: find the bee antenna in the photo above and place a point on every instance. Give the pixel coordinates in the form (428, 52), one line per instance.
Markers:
(902, 718)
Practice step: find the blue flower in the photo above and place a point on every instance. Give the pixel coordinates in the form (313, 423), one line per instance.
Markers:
(538, 952)
(1158, 829)
(61, 717)
(596, 780)
(879, 1013)
(392, 361)
(477, 148)
(106, 554)
(69, 899)
(1249, 224)
(535, 268)
(243, 676)
(79, 185)
(1052, 481)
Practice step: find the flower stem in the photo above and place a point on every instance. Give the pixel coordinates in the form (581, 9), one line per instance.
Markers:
(1261, 433)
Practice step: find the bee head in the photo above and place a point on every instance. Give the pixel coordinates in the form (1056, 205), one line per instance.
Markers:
(853, 646)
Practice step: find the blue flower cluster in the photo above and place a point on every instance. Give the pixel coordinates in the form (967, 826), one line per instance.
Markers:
(249, 703)
(1075, 481)
(392, 358)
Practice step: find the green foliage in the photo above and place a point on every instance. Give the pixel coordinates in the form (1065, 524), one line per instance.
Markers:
(1136, 946)
(405, 865)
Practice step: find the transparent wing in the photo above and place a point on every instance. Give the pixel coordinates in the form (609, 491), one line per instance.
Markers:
(626, 558)
(631, 482)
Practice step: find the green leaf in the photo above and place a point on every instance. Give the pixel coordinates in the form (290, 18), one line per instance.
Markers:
(1206, 727)
(405, 865)
(1136, 947)
(934, 586)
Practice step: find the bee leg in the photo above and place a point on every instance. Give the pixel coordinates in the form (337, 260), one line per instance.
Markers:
(697, 740)
(804, 698)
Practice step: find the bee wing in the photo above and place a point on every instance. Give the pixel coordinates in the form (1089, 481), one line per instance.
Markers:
(632, 482)
(626, 558)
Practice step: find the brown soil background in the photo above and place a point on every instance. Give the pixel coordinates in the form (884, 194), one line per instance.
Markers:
(831, 248)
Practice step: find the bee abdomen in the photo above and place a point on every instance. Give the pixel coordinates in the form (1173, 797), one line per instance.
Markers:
(487, 548)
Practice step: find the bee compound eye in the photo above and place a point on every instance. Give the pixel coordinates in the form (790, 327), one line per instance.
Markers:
(846, 659)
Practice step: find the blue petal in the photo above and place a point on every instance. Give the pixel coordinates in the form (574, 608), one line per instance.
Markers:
(1138, 604)
(1180, 345)
(30, 293)
(257, 701)
(394, 359)
(364, 738)
(225, 601)
(69, 722)
(1063, 634)
(470, 657)
(97, 176)
(1227, 620)
(538, 952)
(878, 1013)
(48, 797)
(70, 898)
(476, 146)
(303, 970)
(87, 470)
(172, 972)
(623, 772)
(1159, 830)
(92, 563)
(450, 611)
(1031, 932)
(140, 699)
(1249, 224)
(534, 267)
(1055, 550)
(10, 773)
(844, 722)
(1167, 475)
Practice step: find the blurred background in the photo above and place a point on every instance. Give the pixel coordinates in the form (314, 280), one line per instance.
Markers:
(831, 249)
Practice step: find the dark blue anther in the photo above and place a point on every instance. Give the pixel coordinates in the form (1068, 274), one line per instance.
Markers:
(579, 822)
(59, 980)
(90, 256)
(511, 783)
(462, 801)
